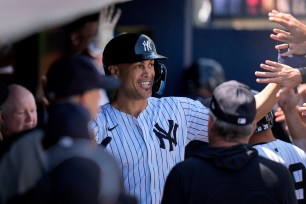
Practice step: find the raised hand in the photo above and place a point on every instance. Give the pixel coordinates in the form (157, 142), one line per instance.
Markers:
(294, 38)
(296, 28)
(288, 43)
(109, 17)
(281, 74)
(279, 115)
(287, 99)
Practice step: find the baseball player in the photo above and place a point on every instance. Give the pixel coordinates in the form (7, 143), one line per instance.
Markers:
(148, 135)
(285, 153)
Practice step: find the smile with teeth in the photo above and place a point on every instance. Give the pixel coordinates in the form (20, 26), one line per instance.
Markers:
(145, 84)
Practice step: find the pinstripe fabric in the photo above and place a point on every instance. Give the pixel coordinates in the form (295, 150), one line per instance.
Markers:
(144, 158)
(292, 157)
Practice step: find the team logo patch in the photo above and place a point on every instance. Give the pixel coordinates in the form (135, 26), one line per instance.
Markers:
(162, 135)
(146, 45)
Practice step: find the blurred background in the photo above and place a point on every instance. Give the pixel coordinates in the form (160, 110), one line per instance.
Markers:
(234, 33)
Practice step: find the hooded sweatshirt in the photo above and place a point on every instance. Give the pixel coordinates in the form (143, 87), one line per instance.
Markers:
(229, 175)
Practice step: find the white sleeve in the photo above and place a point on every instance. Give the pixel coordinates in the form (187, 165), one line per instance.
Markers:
(197, 120)
(98, 127)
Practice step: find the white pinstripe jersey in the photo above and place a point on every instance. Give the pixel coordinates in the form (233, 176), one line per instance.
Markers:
(147, 147)
(292, 157)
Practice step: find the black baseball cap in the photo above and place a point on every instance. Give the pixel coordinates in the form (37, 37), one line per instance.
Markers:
(73, 75)
(129, 48)
(233, 102)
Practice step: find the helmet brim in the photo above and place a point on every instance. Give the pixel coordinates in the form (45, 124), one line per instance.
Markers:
(153, 56)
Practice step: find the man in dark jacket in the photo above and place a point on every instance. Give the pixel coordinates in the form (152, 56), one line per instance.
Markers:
(62, 163)
(229, 171)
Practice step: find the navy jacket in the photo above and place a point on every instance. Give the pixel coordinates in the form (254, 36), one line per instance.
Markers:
(229, 175)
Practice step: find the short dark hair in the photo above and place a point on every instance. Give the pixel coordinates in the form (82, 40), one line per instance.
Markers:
(80, 22)
(76, 26)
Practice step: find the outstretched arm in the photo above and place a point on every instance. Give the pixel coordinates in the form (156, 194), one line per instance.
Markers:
(288, 101)
(265, 100)
(281, 74)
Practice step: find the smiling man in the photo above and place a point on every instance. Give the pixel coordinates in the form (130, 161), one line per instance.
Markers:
(18, 112)
(147, 135)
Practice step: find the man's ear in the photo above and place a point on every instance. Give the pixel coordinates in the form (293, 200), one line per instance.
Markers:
(75, 39)
(114, 71)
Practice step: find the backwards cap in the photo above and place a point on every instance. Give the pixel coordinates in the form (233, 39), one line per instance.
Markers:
(234, 103)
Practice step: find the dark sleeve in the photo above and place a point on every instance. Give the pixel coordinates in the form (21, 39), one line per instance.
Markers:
(173, 188)
(288, 186)
(303, 74)
(76, 181)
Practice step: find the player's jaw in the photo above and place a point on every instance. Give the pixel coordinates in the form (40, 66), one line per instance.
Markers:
(143, 78)
(144, 87)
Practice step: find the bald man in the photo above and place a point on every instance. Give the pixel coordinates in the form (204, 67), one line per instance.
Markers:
(17, 112)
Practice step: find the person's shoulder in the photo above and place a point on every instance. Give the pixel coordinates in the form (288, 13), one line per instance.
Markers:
(290, 146)
(192, 166)
(173, 99)
(23, 139)
(103, 109)
(81, 147)
(178, 103)
(274, 172)
(270, 164)
(79, 180)
(201, 154)
(162, 102)
(11, 141)
(96, 168)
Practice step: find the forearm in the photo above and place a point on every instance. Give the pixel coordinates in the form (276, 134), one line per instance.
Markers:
(103, 37)
(265, 100)
(296, 126)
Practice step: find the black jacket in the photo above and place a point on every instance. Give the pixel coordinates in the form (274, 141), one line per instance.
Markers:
(229, 175)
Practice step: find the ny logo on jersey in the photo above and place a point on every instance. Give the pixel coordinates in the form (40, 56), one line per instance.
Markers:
(161, 134)
(147, 45)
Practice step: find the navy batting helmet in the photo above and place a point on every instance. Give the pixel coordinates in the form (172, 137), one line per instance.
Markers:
(131, 48)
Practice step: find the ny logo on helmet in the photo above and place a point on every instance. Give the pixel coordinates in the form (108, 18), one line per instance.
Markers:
(147, 45)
